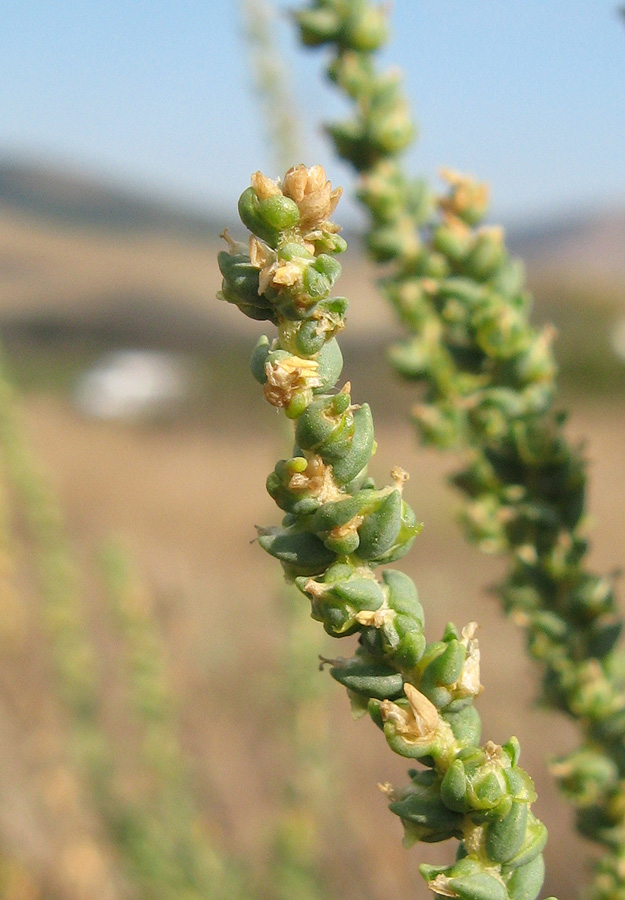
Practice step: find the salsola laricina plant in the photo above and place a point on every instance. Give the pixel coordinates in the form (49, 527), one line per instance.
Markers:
(490, 391)
(338, 527)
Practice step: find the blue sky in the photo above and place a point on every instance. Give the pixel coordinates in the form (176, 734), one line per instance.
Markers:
(156, 94)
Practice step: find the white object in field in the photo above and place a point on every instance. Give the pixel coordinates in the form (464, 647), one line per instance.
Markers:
(127, 385)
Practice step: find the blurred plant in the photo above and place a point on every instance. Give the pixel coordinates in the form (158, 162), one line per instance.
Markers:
(166, 842)
(163, 848)
(18, 883)
(308, 798)
(271, 81)
(489, 382)
(54, 565)
(338, 527)
(309, 795)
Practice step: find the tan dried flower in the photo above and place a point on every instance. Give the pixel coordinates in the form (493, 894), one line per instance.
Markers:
(265, 187)
(468, 685)
(466, 195)
(418, 724)
(273, 271)
(288, 376)
(313, 193)
(441, 886)
(316, 478)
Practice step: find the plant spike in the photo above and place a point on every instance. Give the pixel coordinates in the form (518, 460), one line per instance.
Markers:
(163, 864)
(338, 527)
(271, 81)
(308, 794)
(490, 389)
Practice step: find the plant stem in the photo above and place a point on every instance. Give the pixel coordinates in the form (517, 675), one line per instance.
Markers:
(489, 382)
(339, 527)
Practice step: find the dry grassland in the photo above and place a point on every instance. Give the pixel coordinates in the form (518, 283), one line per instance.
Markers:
(185, 497)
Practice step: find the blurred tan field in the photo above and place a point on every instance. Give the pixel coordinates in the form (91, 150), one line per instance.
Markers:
(184, 492)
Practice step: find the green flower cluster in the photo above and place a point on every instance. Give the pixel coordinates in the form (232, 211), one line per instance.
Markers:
(339, 527)
(489, 380)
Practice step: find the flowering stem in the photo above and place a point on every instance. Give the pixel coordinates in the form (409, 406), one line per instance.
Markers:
(489, 380)
(339, 527)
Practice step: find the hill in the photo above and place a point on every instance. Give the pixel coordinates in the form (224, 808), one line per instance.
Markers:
(585, 243)
(80, 257)
(71, 198)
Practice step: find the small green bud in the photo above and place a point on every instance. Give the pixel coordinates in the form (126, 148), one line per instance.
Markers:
(382, 190)
(525, 882)
(310, 327)
(316, 285)
(424, 817)
(302, 338)
(327, 422)
(536, 362)
(467, 199)
(240, 274)
(465, 724)
(435, 265)
(329, 267)
(480, 886)
(454, 240)
(317, 26)
(502, 332)
(340, 596)
(512, 749)
(408, 649)
(351, 142)
(388, 242)
(593, 596)
(414, 728)
(279, 212)
(585, 775)
(334, 514)
(375, 713)
(487, 255)
(487, 790)
(447, 667)
(304, 553)
(369, 678)
(259, 359)
(411, 358)
(293, 249)
(505, 836)
(398, 638)
(365, 29)
(299, 501)
(330, 365)
(533, 844)
(520, 785)
(361, 593)
(443, 425)
(342, 544)
(240, 287)
(339, 403)
(403, 597)
(347, 467)
(329, 242)
(393, 132)
(493, 412)
(250, 213)
(454, 787)
(353, 73)
(380, 528)
(466, 879)
(296, 406)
